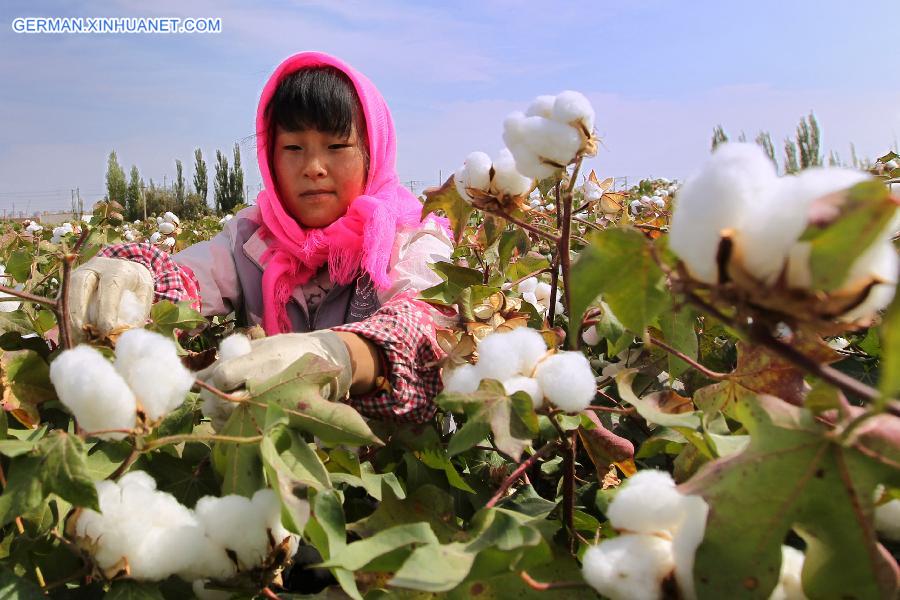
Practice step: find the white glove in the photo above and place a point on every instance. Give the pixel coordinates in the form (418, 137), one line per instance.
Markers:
(109, 293)
(272, 355)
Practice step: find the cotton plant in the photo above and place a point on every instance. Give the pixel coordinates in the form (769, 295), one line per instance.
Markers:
(737, 195)
(60, 232)
(34, 228)
(551, 133)
(148, 535)
(168, 227)
(537, 294)
(519, 359)
(106, 398)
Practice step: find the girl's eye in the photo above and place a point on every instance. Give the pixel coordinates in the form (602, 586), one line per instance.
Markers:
(339, 146)
(292, 147)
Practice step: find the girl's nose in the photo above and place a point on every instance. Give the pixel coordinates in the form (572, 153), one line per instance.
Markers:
(314, 168)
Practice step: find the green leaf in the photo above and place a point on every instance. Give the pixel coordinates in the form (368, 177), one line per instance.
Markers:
(327, 532)
(26, 384)
(358, 554)
(298, 391)
(890, 343)
(796, 474)
(616, 336)
(835, 247)
(126, 589)
(419, 573)
(513, 241)
(291, 466)
(24, 489)
(448, 200)
(456, 280)
(678, 329)
(168, 316)
(511, 419)
(63, 470)
(12, 586)
(437, 458)
(16, 322)
(428, 503)
(525, 265)
(239, 465)
(19, 265)
(618, 263)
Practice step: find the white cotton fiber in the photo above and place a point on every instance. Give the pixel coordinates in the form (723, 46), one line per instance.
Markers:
(132, 311)
(527, 285)
(498, 356)
(686, 538)
(542, 106)
(571, 106)
(628, 567)
(166, 228)
(464, 379)
(529, 347)
(649, 502)
(475, 172)
(887, 520)
(521, 383)
(567, 381)
(551, 140)
(879, 263)
(266, 502)
(149, 363)
(89, 386)
(789, 586)
(235, 345)
(234, 523)
(507, 180)
(716, 199)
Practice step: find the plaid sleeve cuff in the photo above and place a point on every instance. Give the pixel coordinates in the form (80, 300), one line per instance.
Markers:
(404, 330)
(172, 281)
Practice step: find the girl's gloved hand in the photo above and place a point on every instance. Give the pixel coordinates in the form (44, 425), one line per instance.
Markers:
(269, 356)
(109, 293)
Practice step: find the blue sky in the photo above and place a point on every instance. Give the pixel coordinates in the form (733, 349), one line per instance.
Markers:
(661, 74)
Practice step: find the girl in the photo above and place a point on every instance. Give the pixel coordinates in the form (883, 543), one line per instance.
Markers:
(327, 261)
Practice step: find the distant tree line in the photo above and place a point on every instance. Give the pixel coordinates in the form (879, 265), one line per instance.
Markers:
(800, 152)
(141, 199)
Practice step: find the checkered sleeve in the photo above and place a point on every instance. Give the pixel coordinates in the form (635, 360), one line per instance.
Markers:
(404, 330)
(173, 282)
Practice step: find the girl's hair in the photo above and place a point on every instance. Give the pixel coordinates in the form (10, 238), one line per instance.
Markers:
(321, 98)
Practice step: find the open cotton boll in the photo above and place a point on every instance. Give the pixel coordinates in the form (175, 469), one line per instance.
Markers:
(789, 583)
(235, 523)
(169, 242)
(628, 567)
(774, 221)
(528, 285)
(879, 263)
(235, 345)
(474, 173)
(542, 106)
(507, 180)
(571, 106)
(529, 346)
(649, 502)
(686, 539)
(716, 199)
(542, 291)
(887, 520)
(171, 217)
(166, 227)
(551, 140)
(530, 386)
(149, 363)
(89, 386)
(591, 336)
(498, 356)
(132, 311)
(567, 381)
(464, 379)
(528, 163)
(268, 505)
(592, 191)
(155, 237)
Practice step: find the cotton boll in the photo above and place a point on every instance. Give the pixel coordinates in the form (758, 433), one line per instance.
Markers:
(789, 583)
(592, 191)
(235, 345)
(155, 237)
(530, 386)
(269, 507)
(542, 291)
(507, 180)
(132, 311)
(129, 236)
(149, 363)
(89, 386)
(140, 479)
(567, 381)
(658, 202)
(159, 220)
(878, 263)
(464, 379)
(542, 106)
(716, 199)
(234, 523)
(498, 357)
(551, 140)
(474, 173)
(628, 567)
(170, 217)
(166, 228)
(649, 502)
(686, 539)
(528, 285)
(531, 299)
(887, 520)
(775, 220)
(573, 107)
(169, 242)
(590, 336)
(529, 346)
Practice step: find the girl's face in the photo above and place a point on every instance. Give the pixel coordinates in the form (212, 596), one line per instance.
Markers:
(318, 174)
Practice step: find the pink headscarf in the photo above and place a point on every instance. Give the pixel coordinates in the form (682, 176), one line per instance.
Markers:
(363, 237)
